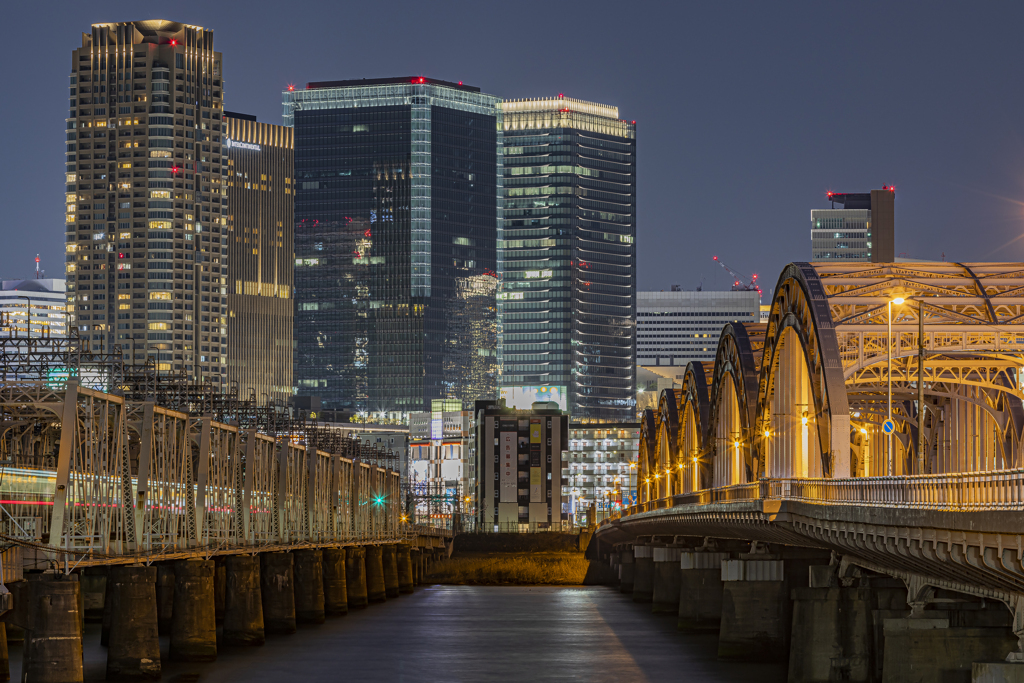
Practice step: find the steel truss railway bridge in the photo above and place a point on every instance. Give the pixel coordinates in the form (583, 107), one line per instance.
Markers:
(117, 483)
(773, 467)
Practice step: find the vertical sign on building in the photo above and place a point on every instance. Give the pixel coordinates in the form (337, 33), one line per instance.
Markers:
(509, 476)
(536, 476)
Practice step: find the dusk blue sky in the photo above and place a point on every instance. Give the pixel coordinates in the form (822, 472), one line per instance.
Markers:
(747, 113)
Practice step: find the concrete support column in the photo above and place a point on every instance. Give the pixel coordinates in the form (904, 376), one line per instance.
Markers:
(700, 590)
(335, 588)
(666, 582)
(5, 658)
(108, 611)
(389, 558)
(93, 581)
(164, 597)
(643, 573)
(755, 610)
(627, 570)
(376, 590)
(277, 588)
(219, 581)
(355, 577)
(613, 563)
(414, 554)
(53, 630)
(309, 586)
(243, 602)
(923, 650)
(194, 623)
(405, 578)
(832, 635)
(134, 649)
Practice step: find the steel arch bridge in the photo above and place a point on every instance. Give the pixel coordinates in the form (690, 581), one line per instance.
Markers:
(805, 395)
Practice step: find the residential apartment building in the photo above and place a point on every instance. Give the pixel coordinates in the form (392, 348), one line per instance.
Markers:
(260, 232)
(519, 456)
(146, 202)
(396, 211)
(568, 270)
(600, 471)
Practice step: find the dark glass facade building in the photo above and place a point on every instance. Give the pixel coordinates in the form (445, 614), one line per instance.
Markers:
(397, 191)
(567, 303)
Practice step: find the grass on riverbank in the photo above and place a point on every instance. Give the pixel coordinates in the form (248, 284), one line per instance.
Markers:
(537, 568)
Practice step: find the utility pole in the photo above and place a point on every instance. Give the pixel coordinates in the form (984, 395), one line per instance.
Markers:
(920, 386)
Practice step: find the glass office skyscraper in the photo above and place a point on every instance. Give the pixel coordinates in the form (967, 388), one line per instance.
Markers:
(568, 273)
(397, 190)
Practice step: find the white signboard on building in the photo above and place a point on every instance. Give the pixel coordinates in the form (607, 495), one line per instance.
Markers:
(507, 464)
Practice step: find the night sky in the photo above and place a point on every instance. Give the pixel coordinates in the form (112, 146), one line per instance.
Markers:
(747, 113)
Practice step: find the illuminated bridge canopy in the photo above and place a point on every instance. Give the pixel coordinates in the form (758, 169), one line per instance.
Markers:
(806, 395)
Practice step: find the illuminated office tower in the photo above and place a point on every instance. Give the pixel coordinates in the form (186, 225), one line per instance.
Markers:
(567, 301)
(261, 253)
(146, 210)
(864, 229)
(397, 185)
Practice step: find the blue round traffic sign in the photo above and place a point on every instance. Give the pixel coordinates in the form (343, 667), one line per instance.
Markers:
(888, 426)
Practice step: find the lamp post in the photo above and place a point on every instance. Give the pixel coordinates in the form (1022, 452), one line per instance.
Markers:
(888, 375)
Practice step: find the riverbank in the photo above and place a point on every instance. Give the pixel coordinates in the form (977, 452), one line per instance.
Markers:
(546, 559)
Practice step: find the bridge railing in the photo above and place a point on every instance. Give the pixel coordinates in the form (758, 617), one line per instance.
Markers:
(997, 490)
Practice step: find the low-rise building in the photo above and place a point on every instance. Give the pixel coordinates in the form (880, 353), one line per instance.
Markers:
(520, 455)
(600, 471)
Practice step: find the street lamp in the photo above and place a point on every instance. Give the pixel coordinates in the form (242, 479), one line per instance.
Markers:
(888, 348)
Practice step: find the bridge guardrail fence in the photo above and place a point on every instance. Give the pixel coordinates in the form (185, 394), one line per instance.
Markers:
(963, 492)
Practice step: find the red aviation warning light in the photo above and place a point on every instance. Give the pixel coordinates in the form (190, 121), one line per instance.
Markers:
(173, 41)
(419, 79)
(291, 87)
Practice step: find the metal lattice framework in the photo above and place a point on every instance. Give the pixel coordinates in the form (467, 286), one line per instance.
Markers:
(98, 477)
(806, 394)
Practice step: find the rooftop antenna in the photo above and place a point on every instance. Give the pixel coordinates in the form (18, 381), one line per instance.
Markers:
(37, 266)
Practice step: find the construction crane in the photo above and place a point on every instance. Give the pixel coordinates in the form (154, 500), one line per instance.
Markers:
(742, 283)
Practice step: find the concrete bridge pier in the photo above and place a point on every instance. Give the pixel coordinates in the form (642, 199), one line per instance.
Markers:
(414, 554)
(946, 636)
(405, 578)
(389, 558)
(666, 580)
(134, 649)
(193, 625)
(93, 581)
(700, 589)
(53, 628)
(627, 569)
(243, 604)
(108, 612)
(335, 590)
(309, 586)
(755, 609)
(277, 588)
(164, 597)
(5, 658)
(613, 564)
(643, 572)
(376, 590)
(219, 584)
(355, 577)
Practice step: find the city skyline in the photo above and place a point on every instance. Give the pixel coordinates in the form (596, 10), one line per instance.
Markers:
(721, 160)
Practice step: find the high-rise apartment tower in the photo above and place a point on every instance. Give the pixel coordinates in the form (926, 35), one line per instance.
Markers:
(863, 230)
(146, 199)
(261, 252)
(397, 185)
(568, 273)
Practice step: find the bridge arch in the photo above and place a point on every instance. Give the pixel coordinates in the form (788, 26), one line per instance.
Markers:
(693, 425)
(668, 429)
(647, 455)
(803, 419)
(731, 409)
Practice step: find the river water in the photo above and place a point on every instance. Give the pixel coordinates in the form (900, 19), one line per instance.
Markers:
(475, 634)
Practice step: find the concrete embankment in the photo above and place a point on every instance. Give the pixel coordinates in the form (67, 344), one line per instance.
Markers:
(551, 559)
